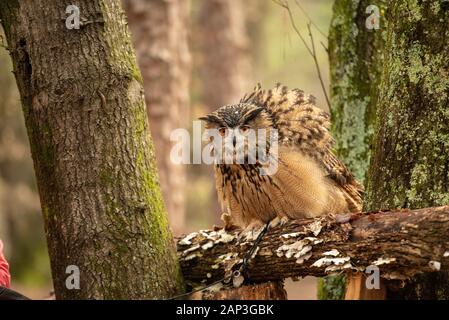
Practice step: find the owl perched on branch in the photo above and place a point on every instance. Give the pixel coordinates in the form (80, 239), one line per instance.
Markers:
(309, 180)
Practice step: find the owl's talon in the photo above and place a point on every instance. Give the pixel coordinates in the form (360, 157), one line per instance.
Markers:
(285, 220)
(251, 232)
(278, 221)
(228, 222)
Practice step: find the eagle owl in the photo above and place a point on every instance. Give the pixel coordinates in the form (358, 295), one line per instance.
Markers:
(309, 181)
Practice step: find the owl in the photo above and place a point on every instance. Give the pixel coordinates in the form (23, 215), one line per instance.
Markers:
(309, 180)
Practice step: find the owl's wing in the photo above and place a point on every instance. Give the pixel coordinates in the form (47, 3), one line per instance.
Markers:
(302, 125)
(351, 188)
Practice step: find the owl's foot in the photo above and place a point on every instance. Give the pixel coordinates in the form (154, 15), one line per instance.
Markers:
(278, 221)
(252, 231)
(228, 222)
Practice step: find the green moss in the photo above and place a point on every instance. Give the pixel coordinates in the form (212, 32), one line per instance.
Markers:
(46, 212)
(135, 71)
(8, 14)
(413, 9)
(331, 288)
(354, 53)
(355, 58)
(120, 48)
(411, 166)
(106, 178)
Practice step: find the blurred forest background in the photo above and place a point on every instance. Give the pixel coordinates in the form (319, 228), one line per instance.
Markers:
(215, 51)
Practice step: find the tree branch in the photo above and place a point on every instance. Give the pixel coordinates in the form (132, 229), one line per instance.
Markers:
(311, 50)
(402, 243)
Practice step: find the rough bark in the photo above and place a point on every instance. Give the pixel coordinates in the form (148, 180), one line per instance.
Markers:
(84, 110)
(159, 29)
(355, 59)
(410, 163)
(402, 243)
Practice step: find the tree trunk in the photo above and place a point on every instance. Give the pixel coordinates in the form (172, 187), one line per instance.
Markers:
(84, 110)
(410, 163)
(224, 60)
(159, 29)
(224, 46)
(355, 57)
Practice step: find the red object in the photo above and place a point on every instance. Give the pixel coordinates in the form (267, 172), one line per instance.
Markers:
(5, 277)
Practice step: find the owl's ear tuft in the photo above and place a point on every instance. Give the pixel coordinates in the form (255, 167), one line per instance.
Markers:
(210, 118)
(251, 115)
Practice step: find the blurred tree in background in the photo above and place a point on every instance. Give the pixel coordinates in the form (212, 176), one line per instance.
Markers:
(21, 226)
(160, 36)
(223, 63)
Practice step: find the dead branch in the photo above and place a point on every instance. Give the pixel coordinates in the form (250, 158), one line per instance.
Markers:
(317, 65)
(311, 50)
(401, 243)
(304, 12)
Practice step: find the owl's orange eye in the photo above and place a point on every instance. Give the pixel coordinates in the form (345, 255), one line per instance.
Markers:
(222, 131)
(244, 129)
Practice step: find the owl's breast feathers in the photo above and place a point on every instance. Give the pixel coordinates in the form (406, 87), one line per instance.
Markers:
(307, 165)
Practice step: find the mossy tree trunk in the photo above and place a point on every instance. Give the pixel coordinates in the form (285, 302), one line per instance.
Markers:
(410, 162)
(84, 110)
(355, 57)
(160, 31)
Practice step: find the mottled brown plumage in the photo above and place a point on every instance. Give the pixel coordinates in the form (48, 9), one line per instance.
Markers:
(310, 181)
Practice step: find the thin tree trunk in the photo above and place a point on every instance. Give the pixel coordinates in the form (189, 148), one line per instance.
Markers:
(410, 163)
(224, 46)
(224, 60)
(159, 29)
(84, 110)
(355, 58)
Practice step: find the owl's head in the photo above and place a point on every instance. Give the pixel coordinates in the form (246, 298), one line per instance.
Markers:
(240, 128)
(242, 116)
